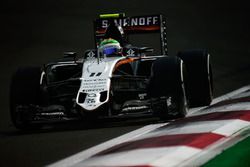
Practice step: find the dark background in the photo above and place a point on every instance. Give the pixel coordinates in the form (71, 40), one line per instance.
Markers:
(35, 32)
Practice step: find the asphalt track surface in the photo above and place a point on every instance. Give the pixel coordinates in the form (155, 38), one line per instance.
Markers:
(35, 32)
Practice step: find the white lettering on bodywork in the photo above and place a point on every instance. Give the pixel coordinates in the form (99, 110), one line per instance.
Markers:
(136, 21)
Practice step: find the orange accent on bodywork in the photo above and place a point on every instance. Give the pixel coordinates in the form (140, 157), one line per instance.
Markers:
(125, 61)
(132, 29)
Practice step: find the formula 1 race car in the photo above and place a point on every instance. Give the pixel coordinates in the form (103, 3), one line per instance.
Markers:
(115, 79)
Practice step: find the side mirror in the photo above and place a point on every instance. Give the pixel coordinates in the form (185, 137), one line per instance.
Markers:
(69, 55)
(146, 50)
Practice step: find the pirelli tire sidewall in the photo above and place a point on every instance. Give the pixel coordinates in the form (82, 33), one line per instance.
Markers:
(200, 77)
(25, 91)
(167, 80)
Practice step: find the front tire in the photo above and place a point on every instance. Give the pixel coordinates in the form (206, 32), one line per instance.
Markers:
(200, 77)
(167, 86)
(24, 92)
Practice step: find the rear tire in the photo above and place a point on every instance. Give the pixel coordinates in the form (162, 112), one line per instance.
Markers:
(200, 77)
(167, 86)
(24, 91)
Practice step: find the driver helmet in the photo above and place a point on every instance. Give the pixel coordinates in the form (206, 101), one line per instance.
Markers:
(109, 47)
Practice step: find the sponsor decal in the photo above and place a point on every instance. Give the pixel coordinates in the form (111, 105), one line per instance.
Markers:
(91, 95)
(98, 74)
(91, 105)
(90, 101)
(93, 90)
(133, 21)
(91, 55)
(52, 114)
(95, 74)
(131, 52)
(92, 74)
(134, 108)
(95, 80)
(94, 85)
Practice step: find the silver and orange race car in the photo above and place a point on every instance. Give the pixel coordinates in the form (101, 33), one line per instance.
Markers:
(115, 79)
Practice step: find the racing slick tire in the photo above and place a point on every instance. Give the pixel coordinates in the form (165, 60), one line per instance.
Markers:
(167, 87)
(24, 91)
(200, 77)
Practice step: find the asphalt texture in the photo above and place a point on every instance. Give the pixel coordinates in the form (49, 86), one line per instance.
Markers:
(36, 32)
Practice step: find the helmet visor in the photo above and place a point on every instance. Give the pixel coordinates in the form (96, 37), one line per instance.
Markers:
(110, 50)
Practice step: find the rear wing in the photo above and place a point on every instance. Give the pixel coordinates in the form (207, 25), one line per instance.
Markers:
(131, 25)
